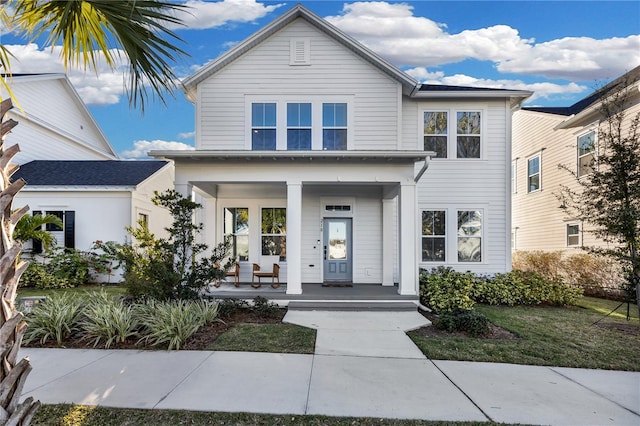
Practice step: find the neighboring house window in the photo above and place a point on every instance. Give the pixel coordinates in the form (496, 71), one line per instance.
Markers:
(468, 135)
(573, 235)
(299, 126)
(469, 236)
(514, 171)
(533, 173)
(274, 232)
(434, 236)
(65, 236)
(334, 126)
(143, 220)
(514, 238)
(586, 153)
(263, 126)
(236, 225)
(436, 133)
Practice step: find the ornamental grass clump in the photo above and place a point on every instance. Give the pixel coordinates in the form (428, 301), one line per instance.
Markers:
(56, 318)
(174, 322)
(108, 321)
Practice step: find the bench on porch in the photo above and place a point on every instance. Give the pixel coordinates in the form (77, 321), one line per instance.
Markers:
(268, 269)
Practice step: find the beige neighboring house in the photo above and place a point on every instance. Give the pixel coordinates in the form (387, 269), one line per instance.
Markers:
(543, 139)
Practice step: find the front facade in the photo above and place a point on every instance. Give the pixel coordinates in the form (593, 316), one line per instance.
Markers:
(551, 146)
(311, 147)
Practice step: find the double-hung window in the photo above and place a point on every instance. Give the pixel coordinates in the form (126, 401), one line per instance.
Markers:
(469, 236)
(573, 235)
(274, 232)
(434, 235)
(533, 173)
(334, 126)
(468, 135)
(436, 133)
(586, 153)
(298, 126)
(263, 126)
(236, 226)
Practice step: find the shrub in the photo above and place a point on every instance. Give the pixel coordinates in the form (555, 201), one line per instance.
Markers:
(265, 309)
(445, 290)
(56, 318)
(108, 320)
(472, 322)
(596, 276)
(172, 323)
(547, 264)
(36, 275)
(227, 307)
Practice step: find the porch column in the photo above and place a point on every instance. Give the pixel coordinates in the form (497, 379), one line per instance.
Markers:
(408, 240)
(388, 241)
(294, 237)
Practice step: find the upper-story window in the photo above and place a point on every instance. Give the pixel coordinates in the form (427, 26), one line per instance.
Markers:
(299, 126)
(468, 135)
(462, 139)
(436, 133)
(533, 173)
(586, 153)
(263, 126)
(334, 126)
(573, 235)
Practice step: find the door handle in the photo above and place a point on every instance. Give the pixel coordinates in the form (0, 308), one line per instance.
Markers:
(325, 252)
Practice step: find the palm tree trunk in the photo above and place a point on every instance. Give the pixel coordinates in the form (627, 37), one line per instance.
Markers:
(13, 373)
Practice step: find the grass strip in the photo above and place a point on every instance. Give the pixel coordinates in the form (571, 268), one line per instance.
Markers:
(280, 338)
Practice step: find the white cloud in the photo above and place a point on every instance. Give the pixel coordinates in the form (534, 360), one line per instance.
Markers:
(541, 90)
(104, 87)
(142, 147)
(201, 15)
(186, 135)
(392, 30)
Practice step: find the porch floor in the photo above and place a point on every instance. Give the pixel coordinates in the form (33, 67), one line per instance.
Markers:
(353, 292)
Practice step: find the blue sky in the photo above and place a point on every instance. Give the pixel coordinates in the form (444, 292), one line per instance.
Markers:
(560, 50)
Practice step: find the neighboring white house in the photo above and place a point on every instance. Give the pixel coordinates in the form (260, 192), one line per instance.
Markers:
(72, 170)
(543, 139)
(312, 147)
(54, 122)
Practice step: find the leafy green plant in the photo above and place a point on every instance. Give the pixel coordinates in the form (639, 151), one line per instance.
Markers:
(108, 320)
(444, 290)
(265, 309)
(227, 307)
(472, 322)
(36, 275)
(173, 322)
(30, 228)
(170, 268)
(54, 319)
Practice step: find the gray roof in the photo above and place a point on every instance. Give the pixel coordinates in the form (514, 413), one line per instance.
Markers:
(92, 173)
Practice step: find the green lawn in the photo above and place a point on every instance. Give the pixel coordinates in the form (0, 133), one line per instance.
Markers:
(67, 415)
(563, 337)
(280, 338)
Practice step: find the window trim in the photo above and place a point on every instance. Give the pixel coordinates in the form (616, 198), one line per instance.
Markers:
(234, 234)
(445, 236)
(316, 102)
(539, 173)
(514, 176)
(262, 235)
(578, 234)
(593, 152)
(452, 129)
(265, 127)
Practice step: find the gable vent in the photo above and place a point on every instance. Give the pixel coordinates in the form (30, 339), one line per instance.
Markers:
(300, 53)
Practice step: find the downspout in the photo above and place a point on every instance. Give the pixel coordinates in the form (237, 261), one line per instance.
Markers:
(424, 168)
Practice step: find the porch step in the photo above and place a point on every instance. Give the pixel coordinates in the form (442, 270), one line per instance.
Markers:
(351, 306)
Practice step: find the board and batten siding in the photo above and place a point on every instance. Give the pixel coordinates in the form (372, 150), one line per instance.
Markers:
(56, 125)
(461, 184)
(222, 116)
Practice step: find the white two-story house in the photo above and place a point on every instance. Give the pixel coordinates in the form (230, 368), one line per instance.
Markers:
(312, 147)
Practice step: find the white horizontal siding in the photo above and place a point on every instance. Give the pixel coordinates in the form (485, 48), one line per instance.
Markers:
(265, 70)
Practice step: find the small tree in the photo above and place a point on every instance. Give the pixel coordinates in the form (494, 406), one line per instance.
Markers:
(608, 198)
(30, 228)
(175, 267)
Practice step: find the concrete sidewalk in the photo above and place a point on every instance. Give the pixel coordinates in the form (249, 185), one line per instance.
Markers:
(366, 376)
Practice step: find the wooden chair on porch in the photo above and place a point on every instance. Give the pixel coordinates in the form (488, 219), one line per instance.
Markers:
(234, 272)
(268, 268)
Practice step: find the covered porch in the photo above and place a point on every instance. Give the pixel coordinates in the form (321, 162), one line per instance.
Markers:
(369, 196)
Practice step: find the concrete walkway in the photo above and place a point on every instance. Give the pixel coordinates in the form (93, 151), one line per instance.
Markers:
(363, 366)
